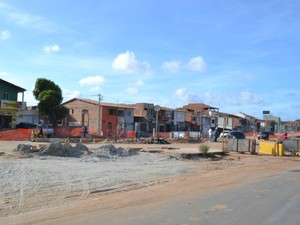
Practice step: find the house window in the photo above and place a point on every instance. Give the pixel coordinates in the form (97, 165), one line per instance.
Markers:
(71, 111)
(5, 96)
(212, 121)
(112, 112)
(129, 113)
(121, 113)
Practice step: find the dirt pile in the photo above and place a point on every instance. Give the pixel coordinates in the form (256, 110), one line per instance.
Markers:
(79, 150)
(109, 150)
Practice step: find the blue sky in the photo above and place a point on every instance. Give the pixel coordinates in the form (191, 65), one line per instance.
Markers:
(237, 55)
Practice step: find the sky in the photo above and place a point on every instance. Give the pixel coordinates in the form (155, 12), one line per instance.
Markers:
(236, 55)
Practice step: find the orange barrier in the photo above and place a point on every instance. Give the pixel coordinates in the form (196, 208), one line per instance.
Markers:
(130, 134)
(15, 134)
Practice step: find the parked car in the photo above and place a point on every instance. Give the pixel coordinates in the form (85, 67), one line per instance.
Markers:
(236, 134)
(224, 134)
(265, 135)
(26, 125)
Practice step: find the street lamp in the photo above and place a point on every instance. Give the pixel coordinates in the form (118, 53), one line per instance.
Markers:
(156, 108)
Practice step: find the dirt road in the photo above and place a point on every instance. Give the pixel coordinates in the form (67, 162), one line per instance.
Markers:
(55, 190)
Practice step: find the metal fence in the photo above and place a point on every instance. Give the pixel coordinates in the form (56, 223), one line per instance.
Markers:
(291, 146)
(241, 145)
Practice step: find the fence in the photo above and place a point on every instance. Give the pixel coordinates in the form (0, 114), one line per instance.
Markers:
(291, 147)
(241, 145)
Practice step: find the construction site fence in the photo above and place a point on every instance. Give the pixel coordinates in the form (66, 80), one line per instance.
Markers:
(241, 145)
(188, 134)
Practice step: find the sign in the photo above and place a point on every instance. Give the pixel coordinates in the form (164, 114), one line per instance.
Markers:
(156, 108)
(74, 124)
(266, 112)
(9, 104)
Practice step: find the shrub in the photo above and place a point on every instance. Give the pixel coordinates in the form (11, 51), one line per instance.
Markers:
(204, 149)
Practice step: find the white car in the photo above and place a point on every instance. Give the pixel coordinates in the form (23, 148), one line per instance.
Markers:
(224, 134)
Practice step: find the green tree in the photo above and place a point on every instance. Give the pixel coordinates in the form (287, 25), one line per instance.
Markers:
(50, 98)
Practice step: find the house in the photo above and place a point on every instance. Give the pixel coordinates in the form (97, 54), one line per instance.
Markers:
(144, 117)
(200, 117)
(248, 123)
(179, 120)
(104, 119)
(9, 104)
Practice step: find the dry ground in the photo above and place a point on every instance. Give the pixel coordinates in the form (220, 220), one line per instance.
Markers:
(58, 195)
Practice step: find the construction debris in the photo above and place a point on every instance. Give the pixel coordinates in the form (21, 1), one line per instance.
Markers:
(67, 150)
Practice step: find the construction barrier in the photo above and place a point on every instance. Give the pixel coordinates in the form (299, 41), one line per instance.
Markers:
(15, 134)
(271, 148)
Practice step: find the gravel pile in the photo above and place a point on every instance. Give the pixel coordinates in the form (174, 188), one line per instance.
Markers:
(79, 150)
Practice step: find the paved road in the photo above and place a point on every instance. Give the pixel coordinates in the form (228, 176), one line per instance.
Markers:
(273, 200)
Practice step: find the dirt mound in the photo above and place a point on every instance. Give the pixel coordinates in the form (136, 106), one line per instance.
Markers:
(54, 149)
(67, 150)
(64, 150)
(108, 151)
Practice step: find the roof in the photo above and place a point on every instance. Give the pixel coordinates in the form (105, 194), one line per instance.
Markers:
(94, 102)
(19, 89)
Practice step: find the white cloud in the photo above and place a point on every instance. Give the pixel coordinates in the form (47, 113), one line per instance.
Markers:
(186, 96)
(132, 91)
(4, 34)
(197, 64)
(247, 98)
(92, 80)
(24, 19)
(139, 83)
(211, 98)
(3, 74)
(128, 63)
(51, 48)
(172, 66)
(95, 89)
(69, 94)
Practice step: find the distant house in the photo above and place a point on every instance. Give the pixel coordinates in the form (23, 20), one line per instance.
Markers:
(9, 104)
(248, 123)
(144, 117)
(101, 118)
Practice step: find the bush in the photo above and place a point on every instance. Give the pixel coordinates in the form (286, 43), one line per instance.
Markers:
(204, 149)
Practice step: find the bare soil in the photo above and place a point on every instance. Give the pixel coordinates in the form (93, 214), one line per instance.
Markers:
(59, 190)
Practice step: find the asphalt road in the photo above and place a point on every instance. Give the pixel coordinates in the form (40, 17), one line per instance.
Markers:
(270, 201)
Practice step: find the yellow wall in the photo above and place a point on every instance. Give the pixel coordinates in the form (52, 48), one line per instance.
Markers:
(270, 148)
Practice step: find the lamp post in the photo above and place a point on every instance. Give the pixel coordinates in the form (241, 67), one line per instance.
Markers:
(156, 108)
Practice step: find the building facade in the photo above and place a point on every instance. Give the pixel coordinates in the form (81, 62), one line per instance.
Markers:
(104, 119)
(9, 104)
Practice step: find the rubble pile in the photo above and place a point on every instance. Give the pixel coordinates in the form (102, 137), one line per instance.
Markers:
(80, 150)
(109, 150)
(152, 140)
(54, 149)
(64, 150)
(25, 150)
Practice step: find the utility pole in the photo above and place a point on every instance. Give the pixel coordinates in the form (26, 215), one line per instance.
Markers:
(99, 116)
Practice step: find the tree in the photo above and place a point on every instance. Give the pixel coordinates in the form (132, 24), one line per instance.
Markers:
(50, 98)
